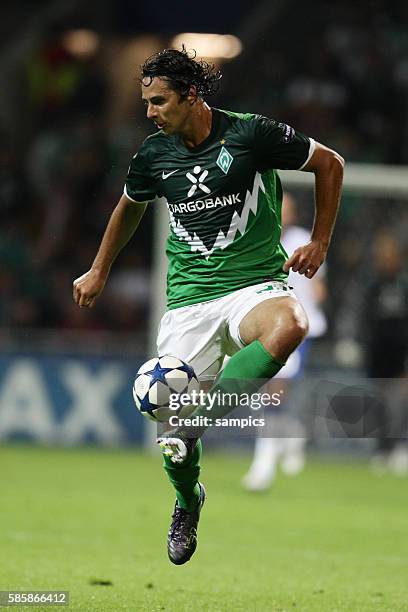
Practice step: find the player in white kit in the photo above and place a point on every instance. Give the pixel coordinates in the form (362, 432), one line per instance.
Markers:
(286, 447)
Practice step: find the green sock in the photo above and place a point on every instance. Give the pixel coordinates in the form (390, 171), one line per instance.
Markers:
(251, 362)
(184, 478)
(245, 372)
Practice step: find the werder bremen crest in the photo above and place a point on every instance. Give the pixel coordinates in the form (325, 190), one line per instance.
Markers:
(224, 160)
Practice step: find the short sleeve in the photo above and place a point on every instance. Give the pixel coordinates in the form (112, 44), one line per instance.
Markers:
(140, 184)
(279, 146)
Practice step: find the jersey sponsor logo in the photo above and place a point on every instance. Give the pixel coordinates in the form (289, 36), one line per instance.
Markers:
(224, 160)
(221, 227)
(196, 205)
(165, 175)
(288, 132)
(197, 181)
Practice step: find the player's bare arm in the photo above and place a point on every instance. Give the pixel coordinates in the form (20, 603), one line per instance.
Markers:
(328, 167)
(121, 227)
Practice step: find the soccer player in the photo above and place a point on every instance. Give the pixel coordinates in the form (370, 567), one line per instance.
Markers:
(226, 282)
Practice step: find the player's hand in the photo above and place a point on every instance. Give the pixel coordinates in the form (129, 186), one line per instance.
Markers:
(307, 259)
(87, 288)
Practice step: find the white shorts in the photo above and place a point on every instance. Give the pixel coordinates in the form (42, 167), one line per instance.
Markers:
(203, 334)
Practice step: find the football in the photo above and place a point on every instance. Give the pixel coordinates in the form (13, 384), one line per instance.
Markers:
(158, 384)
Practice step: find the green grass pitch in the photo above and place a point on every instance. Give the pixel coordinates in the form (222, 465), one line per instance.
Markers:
(334, 538)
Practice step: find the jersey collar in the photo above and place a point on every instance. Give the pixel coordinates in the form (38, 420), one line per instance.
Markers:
(215, 124)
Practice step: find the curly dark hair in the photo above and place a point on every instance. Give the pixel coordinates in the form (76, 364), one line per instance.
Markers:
(181, 71)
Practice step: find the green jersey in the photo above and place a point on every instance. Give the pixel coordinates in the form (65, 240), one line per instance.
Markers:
(224, 201)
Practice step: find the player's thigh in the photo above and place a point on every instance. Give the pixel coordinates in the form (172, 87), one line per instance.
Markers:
(272, 316)
(193, 334)
(253, 310)
(280, 324)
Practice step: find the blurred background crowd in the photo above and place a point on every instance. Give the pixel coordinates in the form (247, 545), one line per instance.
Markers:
(71, 118)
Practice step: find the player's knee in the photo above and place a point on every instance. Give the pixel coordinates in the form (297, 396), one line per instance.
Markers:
(298, 324)
(295, 331)
(287, 333)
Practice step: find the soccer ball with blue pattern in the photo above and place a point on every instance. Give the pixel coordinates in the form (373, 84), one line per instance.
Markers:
(157, 380)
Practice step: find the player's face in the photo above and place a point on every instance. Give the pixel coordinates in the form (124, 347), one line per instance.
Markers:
(164, 106)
